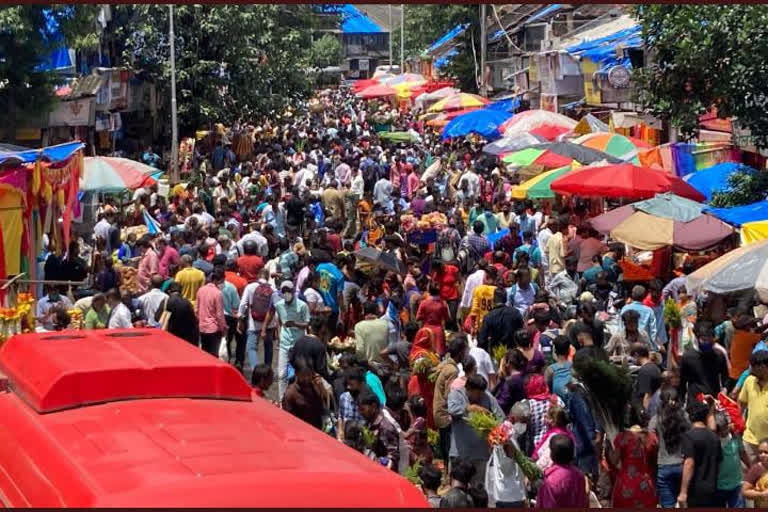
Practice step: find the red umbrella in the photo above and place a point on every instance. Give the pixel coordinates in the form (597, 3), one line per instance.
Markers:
(623, 181)
(549, 131)
(376, 91)
(364, 84)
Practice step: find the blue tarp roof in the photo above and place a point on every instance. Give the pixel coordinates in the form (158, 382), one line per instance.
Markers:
(456, 31)
(739, 215)
(353, 21)
(510, 105)
(714, 179)
(59, 57)
(53, 153)
(603, 50)
(483, 122)
(547, 10)
(445, 59)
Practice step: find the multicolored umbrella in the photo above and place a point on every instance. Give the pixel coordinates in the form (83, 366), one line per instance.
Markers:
(376, 91)
(530, 119)
(742, 269)
(361, 85)
(514, 143)
(442, 118)
(110, 174)
(484, 122)
(625, 181)
(676, 223)
(549, 131)
(564, 149)
(538, 157)
(614, 144)
(458, 102)
(538, 187)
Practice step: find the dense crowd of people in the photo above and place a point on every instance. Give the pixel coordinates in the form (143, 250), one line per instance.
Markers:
(258, 260)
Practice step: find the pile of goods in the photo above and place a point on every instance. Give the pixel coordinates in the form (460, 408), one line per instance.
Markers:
(129, 279)
(19, 319)
(337, 345)
(76, 320)
(430, 221)
(498, 434)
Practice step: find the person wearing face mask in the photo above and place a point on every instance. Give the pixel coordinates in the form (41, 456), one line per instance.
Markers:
(704, 370)
(46, 307)
(504, 480)
(293, 318)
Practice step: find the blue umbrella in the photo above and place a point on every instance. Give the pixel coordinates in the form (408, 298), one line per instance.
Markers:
(484, 122)
(714, 179)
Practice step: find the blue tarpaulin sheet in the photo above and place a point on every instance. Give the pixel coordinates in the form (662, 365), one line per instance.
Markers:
(739, 215)
(53, 153)
(483, 122)
(495, 237)
(455, 32)
(353, 21)
(445, 59)
(510, 105)
(547, 10)
(714, 179)
(603, 49)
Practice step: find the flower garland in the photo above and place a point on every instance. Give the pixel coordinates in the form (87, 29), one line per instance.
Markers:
(19, 319)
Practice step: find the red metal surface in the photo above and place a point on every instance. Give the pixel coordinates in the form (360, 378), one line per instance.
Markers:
(169, 452)
(59, 370)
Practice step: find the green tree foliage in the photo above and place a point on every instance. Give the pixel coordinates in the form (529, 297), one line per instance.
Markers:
(28, 33)
(326, 52)
(745, 186)
(232, 61)
(704, 56)
(425, 24)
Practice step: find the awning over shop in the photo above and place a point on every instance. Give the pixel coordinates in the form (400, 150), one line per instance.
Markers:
(53, 153)
(602, 50)
(544, 12)
(446, 59)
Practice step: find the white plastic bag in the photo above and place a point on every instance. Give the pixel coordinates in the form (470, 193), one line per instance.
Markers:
(224, 350)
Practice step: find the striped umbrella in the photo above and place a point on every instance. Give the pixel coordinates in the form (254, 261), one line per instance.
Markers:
(538, 157)
(538, 187)
(458, 102)
(110, 174)
(613, 144)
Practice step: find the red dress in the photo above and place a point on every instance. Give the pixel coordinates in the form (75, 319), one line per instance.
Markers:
(634, 486)
(433, 313)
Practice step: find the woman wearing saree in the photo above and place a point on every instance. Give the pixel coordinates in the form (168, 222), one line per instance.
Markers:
(419, 383)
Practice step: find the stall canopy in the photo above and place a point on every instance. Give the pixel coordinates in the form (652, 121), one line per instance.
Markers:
(458, 102)
(530, 119)
(484, 122)
(109, 174)
(52, 154)
(446, 58)
(739, 215)
(604, 49)
(514, 143)
(714, 179)
(742, 269)
(623, 181)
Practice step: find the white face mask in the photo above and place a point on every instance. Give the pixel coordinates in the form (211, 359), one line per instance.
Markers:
(288, 296)
(520, 428)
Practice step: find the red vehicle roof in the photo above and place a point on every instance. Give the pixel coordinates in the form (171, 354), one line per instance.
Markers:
(154, 451)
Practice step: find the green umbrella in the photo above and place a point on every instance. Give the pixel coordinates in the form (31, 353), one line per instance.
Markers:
(398, 137)
(523, 158)
(541, 189)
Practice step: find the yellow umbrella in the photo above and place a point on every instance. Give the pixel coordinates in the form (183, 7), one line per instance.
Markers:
(752, 232)
(459, 101)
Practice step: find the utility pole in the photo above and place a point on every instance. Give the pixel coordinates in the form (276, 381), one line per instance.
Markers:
(174, 126)
(483, 47)
(390, 37)
(402, 38)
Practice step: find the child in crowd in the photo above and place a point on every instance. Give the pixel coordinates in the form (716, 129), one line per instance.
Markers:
(262, 379)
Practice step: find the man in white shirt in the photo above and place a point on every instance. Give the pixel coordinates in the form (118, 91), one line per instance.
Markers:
(473, 281)
(119, 314)
(261, 242)
(45, 307)
(151, 301)
(252, 327)
(473, 182)
(382, 192)
(101, 229)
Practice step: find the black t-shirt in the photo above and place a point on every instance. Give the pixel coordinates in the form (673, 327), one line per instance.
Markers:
(294, 211)
(648, 379)
(703, 446)
(702, 372)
